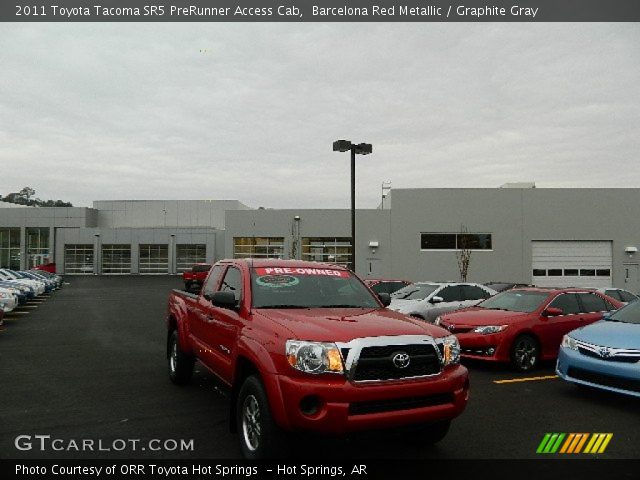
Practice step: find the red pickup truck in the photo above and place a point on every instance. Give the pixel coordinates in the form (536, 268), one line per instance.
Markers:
(307, 346)
(195, 276)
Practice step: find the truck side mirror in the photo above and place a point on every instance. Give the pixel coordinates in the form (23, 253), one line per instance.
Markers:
(223, 299)
(436, 299)
(385, 298)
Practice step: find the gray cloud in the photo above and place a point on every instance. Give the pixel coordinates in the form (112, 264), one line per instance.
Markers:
(106, 111)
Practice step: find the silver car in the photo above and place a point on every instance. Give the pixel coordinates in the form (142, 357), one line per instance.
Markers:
(428, 300)
(619, 294)
(8, 300)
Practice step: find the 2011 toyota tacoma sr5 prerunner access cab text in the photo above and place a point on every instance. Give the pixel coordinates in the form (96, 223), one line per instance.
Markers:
(307, 347)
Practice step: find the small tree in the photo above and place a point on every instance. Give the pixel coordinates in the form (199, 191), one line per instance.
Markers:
(463, 252)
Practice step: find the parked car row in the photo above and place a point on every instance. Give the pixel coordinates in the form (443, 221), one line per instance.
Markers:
(19, 287)
(592, 334)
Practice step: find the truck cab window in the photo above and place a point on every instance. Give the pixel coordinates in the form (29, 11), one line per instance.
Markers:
(232, 282)
(212, 282)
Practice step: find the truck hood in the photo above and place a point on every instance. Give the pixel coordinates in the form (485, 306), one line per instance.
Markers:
(345, 324)
(476, 316)
(610, 334)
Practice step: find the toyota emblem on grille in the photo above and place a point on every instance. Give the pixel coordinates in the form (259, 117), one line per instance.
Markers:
(401, 360)
(604, 352)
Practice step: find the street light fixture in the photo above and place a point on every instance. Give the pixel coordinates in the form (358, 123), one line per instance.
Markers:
(355, 149)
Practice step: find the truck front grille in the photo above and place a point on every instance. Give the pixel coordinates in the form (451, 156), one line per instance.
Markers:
(377, 362)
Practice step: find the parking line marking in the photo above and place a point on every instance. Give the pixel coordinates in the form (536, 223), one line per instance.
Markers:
(525, 379)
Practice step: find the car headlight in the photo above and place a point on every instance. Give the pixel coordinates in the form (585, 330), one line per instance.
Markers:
(489, 329)
(450, 349)
(437, 321)
(314, 357)
(569, 342)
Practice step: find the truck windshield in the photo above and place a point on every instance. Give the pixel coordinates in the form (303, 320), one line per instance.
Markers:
(515, 301)
(308, 288)
(201, 268)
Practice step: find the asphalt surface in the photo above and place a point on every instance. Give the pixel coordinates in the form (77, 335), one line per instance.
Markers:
(89, 363)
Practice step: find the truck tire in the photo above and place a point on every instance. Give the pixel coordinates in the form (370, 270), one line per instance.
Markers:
(260, 437)
(180, 363)
(525, 353)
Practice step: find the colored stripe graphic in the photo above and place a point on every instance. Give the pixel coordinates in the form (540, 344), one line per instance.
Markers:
(573, 443)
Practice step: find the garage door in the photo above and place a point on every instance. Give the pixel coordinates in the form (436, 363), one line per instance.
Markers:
(571, 263)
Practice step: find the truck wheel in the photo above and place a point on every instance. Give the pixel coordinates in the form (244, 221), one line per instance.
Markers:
(260, 437)
(180, 363)
(430, 433)
(524, 353)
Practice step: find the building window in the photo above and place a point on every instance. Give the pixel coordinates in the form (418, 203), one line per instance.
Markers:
(37, 246)
(78, 259)
(154, 258)
(455, 241)
(10, 248)
(258, 247)
(327, 249)
(116, 258)
(189, 254)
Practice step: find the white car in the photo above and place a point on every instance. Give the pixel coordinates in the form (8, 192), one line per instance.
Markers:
(619, 294)
(8, 300)
(427, 300)
(10, 277)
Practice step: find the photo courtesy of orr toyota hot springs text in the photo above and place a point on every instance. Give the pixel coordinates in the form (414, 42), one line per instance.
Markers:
(288, 240)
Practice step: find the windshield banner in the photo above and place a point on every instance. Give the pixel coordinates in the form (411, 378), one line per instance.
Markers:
(325, 272)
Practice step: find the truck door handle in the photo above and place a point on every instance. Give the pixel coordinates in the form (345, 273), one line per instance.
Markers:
(209, 316)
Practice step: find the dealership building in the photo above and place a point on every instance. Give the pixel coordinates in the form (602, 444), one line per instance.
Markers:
(552, 237)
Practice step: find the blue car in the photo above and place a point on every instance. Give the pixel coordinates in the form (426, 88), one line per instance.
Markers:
(605, 354)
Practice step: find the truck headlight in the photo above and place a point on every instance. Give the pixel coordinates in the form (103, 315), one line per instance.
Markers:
(314, 357)
(489, 329)
(569, 342)
(450, 349)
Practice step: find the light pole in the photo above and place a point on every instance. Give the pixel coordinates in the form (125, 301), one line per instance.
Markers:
(386, 186)
(359, 149)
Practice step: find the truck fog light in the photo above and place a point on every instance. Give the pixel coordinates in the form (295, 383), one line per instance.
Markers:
(310, 405)
(491, 351)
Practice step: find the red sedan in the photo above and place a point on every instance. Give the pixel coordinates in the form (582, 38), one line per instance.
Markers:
(525, 325)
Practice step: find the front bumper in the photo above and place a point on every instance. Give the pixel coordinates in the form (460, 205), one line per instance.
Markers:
(491, 348)
(614, 376)
(347, 407)
(8, 304)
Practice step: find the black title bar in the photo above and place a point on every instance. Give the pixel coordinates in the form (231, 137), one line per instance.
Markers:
(319, 11)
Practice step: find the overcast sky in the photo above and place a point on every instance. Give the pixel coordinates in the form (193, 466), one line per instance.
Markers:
(249, 111)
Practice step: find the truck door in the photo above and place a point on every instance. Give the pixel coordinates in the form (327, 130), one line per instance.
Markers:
(222, 326)
(198, 314)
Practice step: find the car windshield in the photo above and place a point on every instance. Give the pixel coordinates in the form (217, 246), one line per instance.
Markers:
(417, 291)
(515, 301)
(628, 314)
(308, 288)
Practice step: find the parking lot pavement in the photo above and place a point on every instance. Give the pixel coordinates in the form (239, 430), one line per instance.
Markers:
(88, 363)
